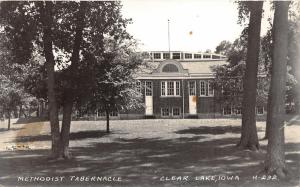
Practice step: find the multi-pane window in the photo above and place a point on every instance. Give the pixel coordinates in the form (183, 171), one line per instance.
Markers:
(210, 88)
(138, 86)
(259, 110)
(215, 57)
(206, 88)
(177, 88)
(176, 55)
(192, 87)
(170, 88)
(166, 55)
(187, 55)
(206, 56)
(163, 88)
(157, 56)
(165, 111)
(176, 111)
(202, 88)
(148, 86)
(197, 56)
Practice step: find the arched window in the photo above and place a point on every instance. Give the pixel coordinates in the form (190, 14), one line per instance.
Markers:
(170, 68)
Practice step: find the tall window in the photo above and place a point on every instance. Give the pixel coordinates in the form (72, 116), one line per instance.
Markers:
(148, 88)
(138, 86)
(210, 88)
(206, 88)
(202, 88)
(177, 88)
(175, 111)
(163, 88)
(192, 87)
(170, 88)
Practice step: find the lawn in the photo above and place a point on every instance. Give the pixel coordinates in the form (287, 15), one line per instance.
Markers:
(185, 152)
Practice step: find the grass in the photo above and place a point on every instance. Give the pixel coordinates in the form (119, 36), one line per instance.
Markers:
(144, 153)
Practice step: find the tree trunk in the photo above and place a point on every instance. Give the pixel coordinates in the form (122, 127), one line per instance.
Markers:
(47, 19)
(8, 123)
(269, 114)
(249, 139)
(275, 160)
(107, 120)
(65, 130)
(69, 91)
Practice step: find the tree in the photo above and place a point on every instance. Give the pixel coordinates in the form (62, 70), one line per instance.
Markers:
(228, 82)
(223, 48)
(114, 84)
(68, 28)
(292, 85)
(275, 160)
(10, 97)
(249, 137)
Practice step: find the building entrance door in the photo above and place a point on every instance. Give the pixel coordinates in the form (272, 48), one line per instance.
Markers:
(192, 98)
(148, 98)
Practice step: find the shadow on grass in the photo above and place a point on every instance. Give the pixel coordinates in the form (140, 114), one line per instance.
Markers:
(143, 161)
(211, 130)
(30, 120)
(73, 136)
(12, 129)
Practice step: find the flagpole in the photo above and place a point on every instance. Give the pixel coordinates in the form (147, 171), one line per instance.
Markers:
(169, 37)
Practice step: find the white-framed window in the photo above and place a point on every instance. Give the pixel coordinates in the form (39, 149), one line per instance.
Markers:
(206, 56)
(188, 55)
(259, 110)
(227, 110)
(176, 111)
(170, 88)
(176, 55)
(197, 56)
(166, 55)
(202, 88)
(177, 88)
(163, 88)
(210, 88)
(206, 88)
(148, 90)
(165, 112)
(192, 87)
(157, 55)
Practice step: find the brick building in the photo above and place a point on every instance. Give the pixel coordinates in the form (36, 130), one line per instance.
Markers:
(178, 85)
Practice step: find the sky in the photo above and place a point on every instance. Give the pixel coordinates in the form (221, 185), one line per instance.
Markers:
(195, 25)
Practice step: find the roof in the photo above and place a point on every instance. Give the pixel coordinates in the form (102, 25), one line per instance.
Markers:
(191, 69)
